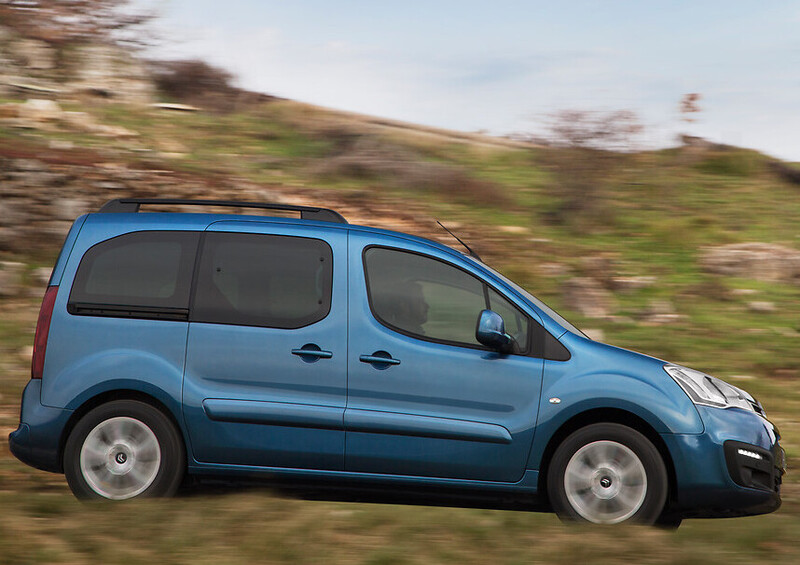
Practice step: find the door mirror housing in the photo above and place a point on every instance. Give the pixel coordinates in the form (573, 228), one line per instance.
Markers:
(491, 332)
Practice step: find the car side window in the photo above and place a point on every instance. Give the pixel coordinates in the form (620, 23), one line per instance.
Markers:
(133, 274)
(263, 280)
(433, 300)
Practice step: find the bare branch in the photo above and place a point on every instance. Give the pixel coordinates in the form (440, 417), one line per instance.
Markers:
(614, 131)
(689, 106)
(75, 21)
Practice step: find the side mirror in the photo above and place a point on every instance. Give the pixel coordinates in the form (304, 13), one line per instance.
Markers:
(491, 332)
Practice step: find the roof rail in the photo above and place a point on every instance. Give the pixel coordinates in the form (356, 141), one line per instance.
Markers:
(131, 205)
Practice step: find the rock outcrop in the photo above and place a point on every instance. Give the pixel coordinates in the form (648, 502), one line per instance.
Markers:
(754, 260)
(94, 69)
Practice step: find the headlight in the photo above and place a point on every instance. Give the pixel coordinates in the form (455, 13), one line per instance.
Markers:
(710, 391)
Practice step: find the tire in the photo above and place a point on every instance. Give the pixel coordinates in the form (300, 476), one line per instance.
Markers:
(607, 474)
(124, 449)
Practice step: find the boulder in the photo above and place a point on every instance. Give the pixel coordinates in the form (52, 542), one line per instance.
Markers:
(661, 312)
(595, 333)
(743, 292)
(25, 353)
(628, 284)
(761, 306)
(602, 268)
(67, 209)
(553, 270)
(41, 276)
(587, 296)
(28, 165)
(39, 110)
(81, 121)
(753, 260)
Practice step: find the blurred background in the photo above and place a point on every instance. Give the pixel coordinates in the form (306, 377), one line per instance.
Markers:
(635, 168)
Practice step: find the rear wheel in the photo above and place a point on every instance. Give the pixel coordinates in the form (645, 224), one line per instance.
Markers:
(124, 449)
(607, 474)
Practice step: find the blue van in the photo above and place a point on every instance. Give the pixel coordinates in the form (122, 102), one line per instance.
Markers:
(174, 344)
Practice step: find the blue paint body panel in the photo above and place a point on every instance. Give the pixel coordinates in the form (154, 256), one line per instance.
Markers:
(66, 249)
(403, 420)
(36, 441)
(443, 415)
(293, 406)
(600, 376)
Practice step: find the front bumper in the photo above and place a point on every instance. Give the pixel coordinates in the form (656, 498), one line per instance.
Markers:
(734, 468)
(37, 440)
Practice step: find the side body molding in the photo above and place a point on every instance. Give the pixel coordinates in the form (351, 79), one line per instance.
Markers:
(273, 413)
(371, 421)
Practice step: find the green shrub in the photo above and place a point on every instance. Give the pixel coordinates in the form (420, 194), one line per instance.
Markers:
(730, 164)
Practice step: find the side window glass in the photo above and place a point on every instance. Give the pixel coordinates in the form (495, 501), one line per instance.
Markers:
(516, 322)
(263, 280)
(453, 308)
(427, 298)
(137, 270)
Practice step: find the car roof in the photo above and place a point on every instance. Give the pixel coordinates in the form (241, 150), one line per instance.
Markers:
(200, 221)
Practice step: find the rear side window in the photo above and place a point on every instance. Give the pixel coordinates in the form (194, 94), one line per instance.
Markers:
(263, 280)
(141, 274)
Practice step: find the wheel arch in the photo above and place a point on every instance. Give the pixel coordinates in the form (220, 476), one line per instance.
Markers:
(111, 396)
(613, 416)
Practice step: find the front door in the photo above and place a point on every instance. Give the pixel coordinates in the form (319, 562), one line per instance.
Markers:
(424, 397)
(266, 367)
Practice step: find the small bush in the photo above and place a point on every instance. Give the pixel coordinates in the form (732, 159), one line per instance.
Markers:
(729, 164)
(187, 79)
(198, 83)
(786, 171)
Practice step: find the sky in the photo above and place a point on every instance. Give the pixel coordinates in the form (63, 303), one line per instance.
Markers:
(504, 66)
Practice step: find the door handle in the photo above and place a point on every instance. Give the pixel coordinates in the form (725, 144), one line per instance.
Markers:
(379, 359)
(312, 352)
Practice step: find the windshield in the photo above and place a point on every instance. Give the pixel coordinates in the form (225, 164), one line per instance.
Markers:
(558, 318)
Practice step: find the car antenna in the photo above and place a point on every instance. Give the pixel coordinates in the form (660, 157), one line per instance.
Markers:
(471, 252)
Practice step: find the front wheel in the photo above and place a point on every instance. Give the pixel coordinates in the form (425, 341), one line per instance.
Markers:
(124, 449)
(607, 474)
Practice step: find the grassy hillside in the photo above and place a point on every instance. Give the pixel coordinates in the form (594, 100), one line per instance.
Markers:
(524, 209)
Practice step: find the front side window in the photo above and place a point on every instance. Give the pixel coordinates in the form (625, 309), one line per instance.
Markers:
(136, 274)
(515, 321)
(433, 300)
(263, 280)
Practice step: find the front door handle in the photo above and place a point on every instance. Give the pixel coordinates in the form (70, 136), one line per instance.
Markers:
(312, 352)
(379, 360)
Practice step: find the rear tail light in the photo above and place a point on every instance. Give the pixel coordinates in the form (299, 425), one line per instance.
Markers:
(42, 329)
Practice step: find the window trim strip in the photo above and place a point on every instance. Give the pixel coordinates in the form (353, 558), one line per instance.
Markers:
(127, 311)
